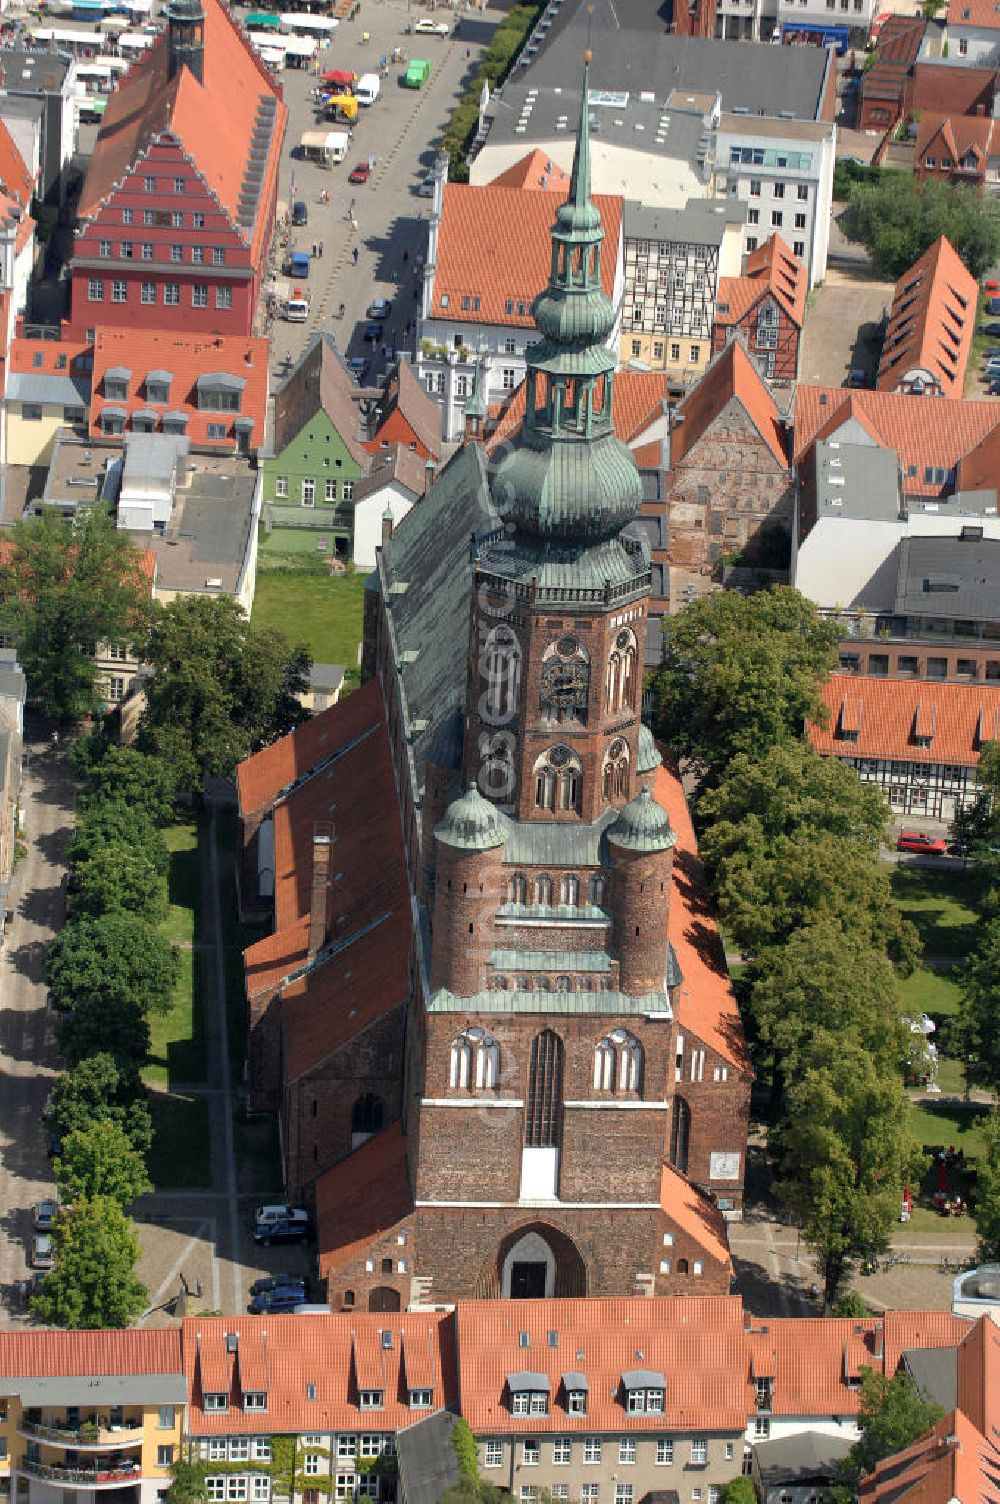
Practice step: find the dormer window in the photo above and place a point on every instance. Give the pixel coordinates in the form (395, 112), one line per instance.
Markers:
(421, 1399)
(371, 1399)
(645, 1392)
(216, 1402)
(255, 1399)
(529, 1393)
(576, 1402)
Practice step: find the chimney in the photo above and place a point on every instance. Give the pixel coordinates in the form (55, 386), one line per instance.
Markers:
(322, 838)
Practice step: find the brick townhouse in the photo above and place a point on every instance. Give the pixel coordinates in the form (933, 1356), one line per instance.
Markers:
(528, 859)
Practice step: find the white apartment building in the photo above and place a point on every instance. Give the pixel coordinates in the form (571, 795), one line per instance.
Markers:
(782, 170)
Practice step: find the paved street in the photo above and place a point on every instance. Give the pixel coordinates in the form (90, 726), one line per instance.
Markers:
(400, 131)
(28, 1057)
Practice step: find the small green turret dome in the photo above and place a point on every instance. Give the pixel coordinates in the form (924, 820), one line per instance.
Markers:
(643, 825)
(472, 823)
(649, 758)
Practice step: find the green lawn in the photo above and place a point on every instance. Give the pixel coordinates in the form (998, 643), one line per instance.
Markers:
(940, 905)
(325, 612)
(929, 991)
(177, 1048)
(181, 1156)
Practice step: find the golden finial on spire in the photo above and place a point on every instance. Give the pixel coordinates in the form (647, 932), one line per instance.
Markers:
(588, 56)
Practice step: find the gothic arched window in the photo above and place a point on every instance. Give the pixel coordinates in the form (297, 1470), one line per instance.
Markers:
(618, 1063)
(500, 665)
(543, 1119)
(616, 769)
(517, 888)
(475, 1060)
(558, 779)
(620, 681)
(543, 889)
(569, 890)
(595, 891)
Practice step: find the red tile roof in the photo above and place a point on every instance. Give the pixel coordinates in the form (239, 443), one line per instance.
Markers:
(186, 356)
(695, 1342)
(953, 1461)
(982, 13)
(637, 400)
(310, 1369)
(952, 136)
(731, 374)
(408, 407)
(62, 1355)
(362, 1198)
(979, 470)
(494, 248)
(772, 269)
(212, 121)
(962, 717)
(693, 1212)
(941, 87)
(534, 170)
(979, 1376)
(707, 1007)
(260, 778)
(16, 188)
(931, 322)
(924, 433)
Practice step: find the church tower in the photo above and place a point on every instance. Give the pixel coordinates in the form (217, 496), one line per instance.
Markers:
(186, 38)
(549, 1030)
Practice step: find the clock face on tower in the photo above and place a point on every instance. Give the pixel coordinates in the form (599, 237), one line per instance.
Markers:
(565, 680)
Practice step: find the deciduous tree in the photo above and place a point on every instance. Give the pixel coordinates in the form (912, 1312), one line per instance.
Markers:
(893, 1414)
(188, 1484)
(987, 1204)
(99, 1023)
(93, 1283)
(740, 674)
(120, 879)
(126, 776)
(899, 217)
(845, 1156)
(97, 1090)
(222, 687)
(66, 586)
(101, 825)
(980, 1006)
(117, 958)
(101, 1161)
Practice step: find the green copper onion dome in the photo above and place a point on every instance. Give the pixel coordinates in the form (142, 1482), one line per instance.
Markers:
(649, 758)
(567, 479)
(472, 823)
(643, 825)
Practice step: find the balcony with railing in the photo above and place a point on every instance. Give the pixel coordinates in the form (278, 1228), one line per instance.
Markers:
(106, 1474)
(98, 1434)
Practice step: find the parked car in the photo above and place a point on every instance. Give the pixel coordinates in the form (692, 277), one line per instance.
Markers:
(433, 28)
(42, 1256)
(280, 1211)
(915, 840)
(270, 1282)
(287, 1298)
(280, 1223)
(380, 308)
(300, 213)
(993, 307)
(991, 285)
(358, 366)
(361, 173)
(373, 333)
(993, 330)
(45, 1215)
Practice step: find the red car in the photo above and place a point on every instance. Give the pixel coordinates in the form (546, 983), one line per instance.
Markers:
(914, 840)
(361, 173)
(992, 286)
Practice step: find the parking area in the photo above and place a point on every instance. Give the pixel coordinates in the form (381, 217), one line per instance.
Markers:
(841, 330)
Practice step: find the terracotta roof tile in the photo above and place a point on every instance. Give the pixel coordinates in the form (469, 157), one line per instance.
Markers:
(405, 398)
(361, 1198)
(310, 1369)
(60, 1355)
(398, 463)
(494, 247)
(534, 170)
(961, 717)
(15, 179)
(260, 778)
(731, 374)
(952, 1461)
(693, 1212)
(186, 356)
(939, 87)
(213, 121)
(637, 401)
(924, 433)
(931, 321)
(979, 470)
(707, 1006)
(772, 268)
(954, 135)
(979, 13)
(979, 1376)
(696, 1343)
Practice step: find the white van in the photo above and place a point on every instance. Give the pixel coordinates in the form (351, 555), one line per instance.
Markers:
(368, 88)
(297, 306)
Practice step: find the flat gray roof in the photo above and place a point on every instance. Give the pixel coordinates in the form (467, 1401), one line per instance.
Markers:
(92, 1389)
(633, 50)
(33, 70)
(527, 113)
(768, 125)
(957, 577)
(797, 1458)
(857, 480)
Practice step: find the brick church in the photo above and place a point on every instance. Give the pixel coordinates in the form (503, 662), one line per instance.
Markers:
(492, 1012)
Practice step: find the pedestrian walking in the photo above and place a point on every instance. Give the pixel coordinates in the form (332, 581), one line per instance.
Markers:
(354, 255)
(315, 250)
(321, 250)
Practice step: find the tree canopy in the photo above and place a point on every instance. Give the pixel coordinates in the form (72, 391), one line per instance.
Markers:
(101, 824)
(117, 957)
(93, 1283)
(188, 1484)
(67, 585)
(123, 776)
(221, 688)
(97, 1023)
(740, 674)
(899, 217)
(893, 1414)
(99, 1089)
(100, 1160)
(987, 1204)
(120, 879)
(845, 1156)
